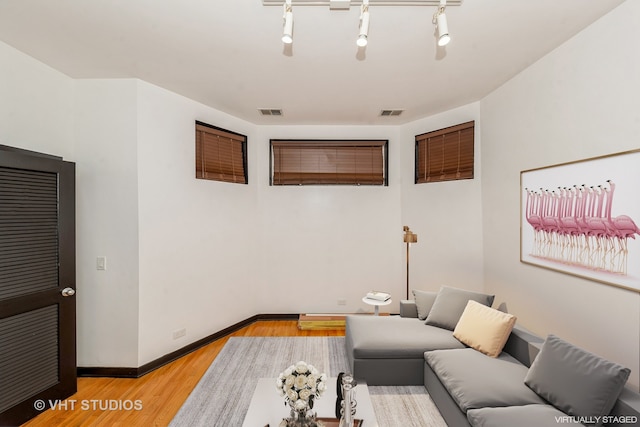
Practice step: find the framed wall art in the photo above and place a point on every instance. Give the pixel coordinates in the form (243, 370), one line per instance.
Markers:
(583, 218)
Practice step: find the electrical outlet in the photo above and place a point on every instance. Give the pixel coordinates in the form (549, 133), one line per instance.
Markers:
(179, 333)
(342, 301)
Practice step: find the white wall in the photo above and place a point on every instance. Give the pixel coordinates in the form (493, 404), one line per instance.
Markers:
(107, 222)
(580, 101)
(36, 105)
(321, 244)
(446, 216)
(198, 238)
(92, 123)
(213, 254)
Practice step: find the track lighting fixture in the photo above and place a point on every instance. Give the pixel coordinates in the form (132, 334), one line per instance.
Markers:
(439, 17)
(440, 20)
(287, 32)
(364, 24)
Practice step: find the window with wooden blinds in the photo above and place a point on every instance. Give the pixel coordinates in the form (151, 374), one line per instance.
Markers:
(445, 154)
(221, 155)
(329, 162)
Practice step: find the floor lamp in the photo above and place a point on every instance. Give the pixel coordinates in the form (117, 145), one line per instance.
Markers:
(409, 237)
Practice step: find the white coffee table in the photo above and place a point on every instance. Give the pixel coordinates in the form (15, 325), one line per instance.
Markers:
(376, 303)
(267, 406)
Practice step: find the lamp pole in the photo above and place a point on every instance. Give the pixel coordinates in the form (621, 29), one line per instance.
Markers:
(407, 270)
(409, 237)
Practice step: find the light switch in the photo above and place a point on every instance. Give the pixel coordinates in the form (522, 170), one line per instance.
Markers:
(101, 263)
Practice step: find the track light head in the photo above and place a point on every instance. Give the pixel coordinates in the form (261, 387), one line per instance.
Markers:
(287, 32)
(443, 30)
(364, 24)
(440, 20)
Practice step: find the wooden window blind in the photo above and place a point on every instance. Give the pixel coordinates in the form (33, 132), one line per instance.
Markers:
(329, 162)
(445, 154)
(221, 155)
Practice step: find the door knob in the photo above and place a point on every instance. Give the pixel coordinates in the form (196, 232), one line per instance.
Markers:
(68, 292)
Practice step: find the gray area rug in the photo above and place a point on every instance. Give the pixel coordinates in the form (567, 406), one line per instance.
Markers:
(222, 396)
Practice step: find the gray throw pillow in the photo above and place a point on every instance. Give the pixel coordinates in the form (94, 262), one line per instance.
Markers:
(577, 382)
(424, 302)
(449, 305)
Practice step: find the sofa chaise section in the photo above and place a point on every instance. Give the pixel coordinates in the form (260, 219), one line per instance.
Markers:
(389, 350)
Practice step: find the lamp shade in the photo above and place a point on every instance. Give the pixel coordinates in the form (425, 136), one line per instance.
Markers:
(409, 236)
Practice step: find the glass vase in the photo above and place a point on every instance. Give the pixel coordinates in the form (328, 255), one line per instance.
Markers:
(302, 418)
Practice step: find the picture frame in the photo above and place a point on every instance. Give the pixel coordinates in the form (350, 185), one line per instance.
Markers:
(583, 218)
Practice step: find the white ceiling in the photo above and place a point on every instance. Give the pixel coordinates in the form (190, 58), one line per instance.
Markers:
(228, 54)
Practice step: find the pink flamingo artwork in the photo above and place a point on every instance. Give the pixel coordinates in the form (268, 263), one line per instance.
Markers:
(575, 226)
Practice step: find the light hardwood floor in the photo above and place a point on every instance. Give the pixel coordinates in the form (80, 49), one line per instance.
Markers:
(161, 392)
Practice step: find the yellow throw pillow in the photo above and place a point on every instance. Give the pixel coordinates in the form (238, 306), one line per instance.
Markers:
(483, 328)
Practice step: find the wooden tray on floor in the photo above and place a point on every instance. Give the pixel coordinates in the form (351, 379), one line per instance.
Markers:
(319, 322)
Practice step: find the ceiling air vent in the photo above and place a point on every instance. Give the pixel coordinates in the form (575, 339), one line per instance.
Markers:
(389, 113)
(270, 111)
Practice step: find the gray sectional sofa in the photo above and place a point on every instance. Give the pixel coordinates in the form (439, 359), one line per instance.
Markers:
(471, 388)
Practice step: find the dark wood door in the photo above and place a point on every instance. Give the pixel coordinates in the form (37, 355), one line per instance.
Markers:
(37, 284)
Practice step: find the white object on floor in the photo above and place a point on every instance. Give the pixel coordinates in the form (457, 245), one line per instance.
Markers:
(376, 304)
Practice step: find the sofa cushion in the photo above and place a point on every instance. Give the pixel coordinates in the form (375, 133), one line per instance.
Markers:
(392, 337)
(483, 328)
(521, 416)
(449, 305)
(475, 380)
(424, 302)
(574, 380)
